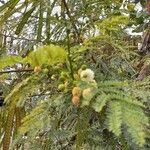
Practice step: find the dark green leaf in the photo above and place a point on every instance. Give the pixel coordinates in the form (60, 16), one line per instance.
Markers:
(24, 20)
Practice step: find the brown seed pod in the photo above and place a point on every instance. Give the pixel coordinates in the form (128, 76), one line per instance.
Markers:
(76, 91)
(76, 101)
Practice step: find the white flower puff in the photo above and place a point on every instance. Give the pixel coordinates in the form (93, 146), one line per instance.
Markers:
(87, 75)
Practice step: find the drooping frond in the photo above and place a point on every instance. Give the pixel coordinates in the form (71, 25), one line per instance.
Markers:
(20, 92)
(32, 120)
(114, 117)
(136, 121)
(100, 102)
(123, 109)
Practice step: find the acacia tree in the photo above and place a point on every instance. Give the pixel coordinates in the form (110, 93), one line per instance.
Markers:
(53, 100)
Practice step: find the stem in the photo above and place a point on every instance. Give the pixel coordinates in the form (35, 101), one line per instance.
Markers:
(79, 134)
(71, 20)
(69, 57)
(18, 38)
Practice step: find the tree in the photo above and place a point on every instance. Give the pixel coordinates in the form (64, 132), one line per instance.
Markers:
(69, 75)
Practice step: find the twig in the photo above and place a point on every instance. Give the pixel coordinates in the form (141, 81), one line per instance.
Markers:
(21, 38)
(69, 58)
(19, 70)
(71, 19)
(41, 94)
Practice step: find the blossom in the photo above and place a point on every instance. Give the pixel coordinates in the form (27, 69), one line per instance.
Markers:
(87, 75)
(87, 93)
(76, 91)
(76, 101)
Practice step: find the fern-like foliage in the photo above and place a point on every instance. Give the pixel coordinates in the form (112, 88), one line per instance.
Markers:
(112, 112)
(101, 101)
(114, 117)
(136, 121)
(9, 61)
(123, 109)
(46, 55)
(19, 93)
(114, 24)
(32, 121)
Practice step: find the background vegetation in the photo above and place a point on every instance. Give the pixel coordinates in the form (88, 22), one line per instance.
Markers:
(72, 76)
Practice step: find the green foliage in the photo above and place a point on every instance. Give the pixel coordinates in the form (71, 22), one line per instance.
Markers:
(113, 110)
(48, 55)
(115, 117)
(136, 121)
(100, 102)
(32, 121)
(123, 109)
(8, 61)
(113, 24)
(9, 11)
(19, 93)
(24, 20)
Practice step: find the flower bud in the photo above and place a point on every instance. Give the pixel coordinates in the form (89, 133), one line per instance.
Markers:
(87, 75)
(76, 91)
(61, 87)
(37, 69)
(53, 77)
(87, 93)
(46, 71)
(83, 67)
(75, 100)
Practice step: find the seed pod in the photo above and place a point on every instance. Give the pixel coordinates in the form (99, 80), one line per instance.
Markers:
(8, 129)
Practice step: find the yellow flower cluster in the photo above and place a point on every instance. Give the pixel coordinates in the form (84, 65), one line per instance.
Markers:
(86, 75)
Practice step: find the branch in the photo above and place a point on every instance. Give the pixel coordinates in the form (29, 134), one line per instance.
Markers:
(71, 19)
(19, 70)
(69, 57)
(17, 38)
(42, 94)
